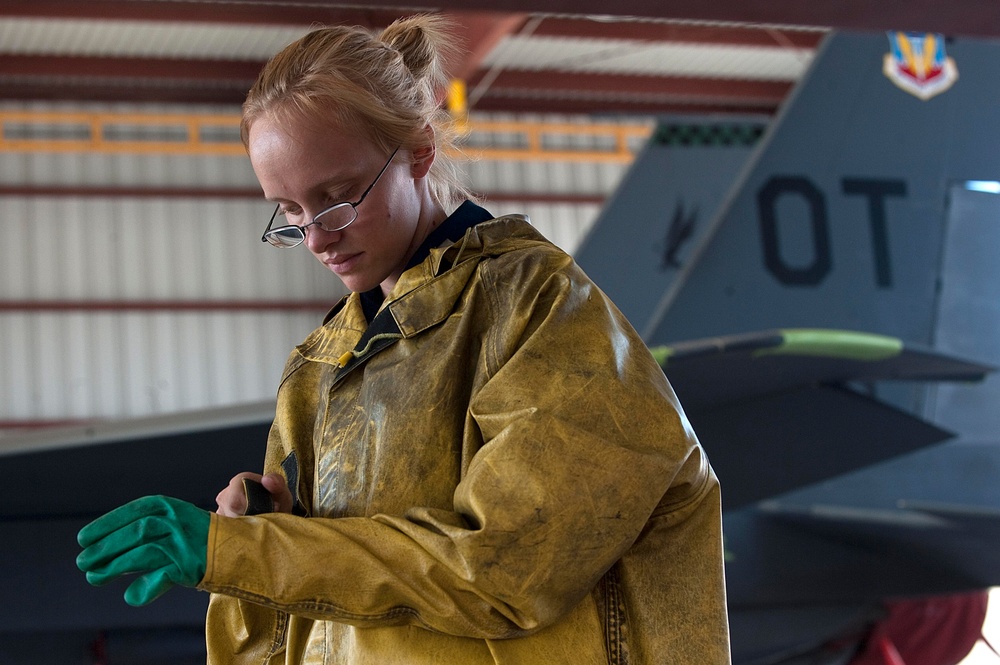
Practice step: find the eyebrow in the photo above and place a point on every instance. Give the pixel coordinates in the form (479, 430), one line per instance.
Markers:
(337, 182)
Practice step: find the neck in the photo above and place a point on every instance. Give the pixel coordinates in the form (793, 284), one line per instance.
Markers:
(431, 216)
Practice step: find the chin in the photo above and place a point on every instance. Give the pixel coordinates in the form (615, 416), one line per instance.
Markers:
(357, 284)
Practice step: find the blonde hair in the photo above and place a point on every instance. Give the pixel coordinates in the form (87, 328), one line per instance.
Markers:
(383, 86)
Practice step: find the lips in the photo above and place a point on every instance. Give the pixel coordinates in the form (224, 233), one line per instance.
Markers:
(342, 263)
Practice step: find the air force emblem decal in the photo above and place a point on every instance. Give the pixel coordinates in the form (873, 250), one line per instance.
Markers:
(918, 64)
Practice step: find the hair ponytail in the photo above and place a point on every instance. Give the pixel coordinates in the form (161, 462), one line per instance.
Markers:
(423, 42)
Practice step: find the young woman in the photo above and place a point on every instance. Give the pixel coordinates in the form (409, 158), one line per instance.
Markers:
(474, 459)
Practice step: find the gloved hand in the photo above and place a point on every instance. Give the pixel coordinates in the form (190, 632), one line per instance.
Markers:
(163, 540)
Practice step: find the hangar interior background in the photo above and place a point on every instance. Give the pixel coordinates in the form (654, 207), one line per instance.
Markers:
(134, 282)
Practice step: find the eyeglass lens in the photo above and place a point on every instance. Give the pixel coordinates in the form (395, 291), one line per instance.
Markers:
(336, 217)
(285, 236)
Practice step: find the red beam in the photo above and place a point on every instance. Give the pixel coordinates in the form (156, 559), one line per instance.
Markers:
(89, 78)
(480, 33)
(583, 106)
(535, 197)
(551, 85)
(149, 91)
(659, 31)
(204, 11)
(145, 68)
(136, 192)
(14, 423)
(249, 193)
(240, 75)
(509, 100)
(163, 305)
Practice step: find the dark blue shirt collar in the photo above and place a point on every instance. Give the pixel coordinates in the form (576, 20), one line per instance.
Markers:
(452, 229)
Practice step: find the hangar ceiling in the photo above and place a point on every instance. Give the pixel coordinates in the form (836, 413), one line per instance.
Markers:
(634, 56)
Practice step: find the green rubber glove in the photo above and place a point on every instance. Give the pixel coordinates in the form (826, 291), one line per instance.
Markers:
(163, 540)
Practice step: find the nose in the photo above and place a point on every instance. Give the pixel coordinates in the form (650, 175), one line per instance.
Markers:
(318, 238)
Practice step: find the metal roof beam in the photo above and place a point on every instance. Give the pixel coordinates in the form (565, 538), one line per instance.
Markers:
(663, 31)
(553, 85)
(226, 82)
(203, 11)
(635, 107)
(113, 67)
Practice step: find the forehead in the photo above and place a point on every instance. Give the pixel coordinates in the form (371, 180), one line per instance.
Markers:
(290, 154)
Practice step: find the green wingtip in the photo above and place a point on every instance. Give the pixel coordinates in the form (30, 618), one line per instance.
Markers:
(836, 344)
(661, 354)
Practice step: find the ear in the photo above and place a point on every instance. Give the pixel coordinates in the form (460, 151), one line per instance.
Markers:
(423, 156)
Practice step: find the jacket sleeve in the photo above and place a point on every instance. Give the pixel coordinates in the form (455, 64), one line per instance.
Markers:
(238, 630)
(582, 440)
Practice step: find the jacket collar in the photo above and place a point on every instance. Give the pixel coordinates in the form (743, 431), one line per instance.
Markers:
(424, 296)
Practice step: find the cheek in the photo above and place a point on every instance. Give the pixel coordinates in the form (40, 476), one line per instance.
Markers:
(317, 256)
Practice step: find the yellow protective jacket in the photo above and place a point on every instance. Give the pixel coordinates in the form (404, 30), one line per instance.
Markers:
(502, 474)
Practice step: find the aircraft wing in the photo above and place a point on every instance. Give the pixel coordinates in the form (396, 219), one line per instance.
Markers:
(732, 368)
(783, 409)
(104, 464)
(56, 481)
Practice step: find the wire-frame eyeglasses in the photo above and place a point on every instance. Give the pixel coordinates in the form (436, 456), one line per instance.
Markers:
(335, 218)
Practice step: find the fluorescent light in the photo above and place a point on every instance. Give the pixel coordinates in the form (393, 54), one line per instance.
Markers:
(988, 186)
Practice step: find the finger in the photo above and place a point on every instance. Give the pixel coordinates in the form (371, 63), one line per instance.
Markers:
(119, 517)
(230, 503)
(140, 560)
(232, 500)
(114, 545)
(148, 588)
(276, 484)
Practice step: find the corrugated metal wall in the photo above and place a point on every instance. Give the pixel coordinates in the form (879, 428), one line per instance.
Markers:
(125, 305)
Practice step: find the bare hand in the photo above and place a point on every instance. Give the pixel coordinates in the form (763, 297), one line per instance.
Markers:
(233, 500)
